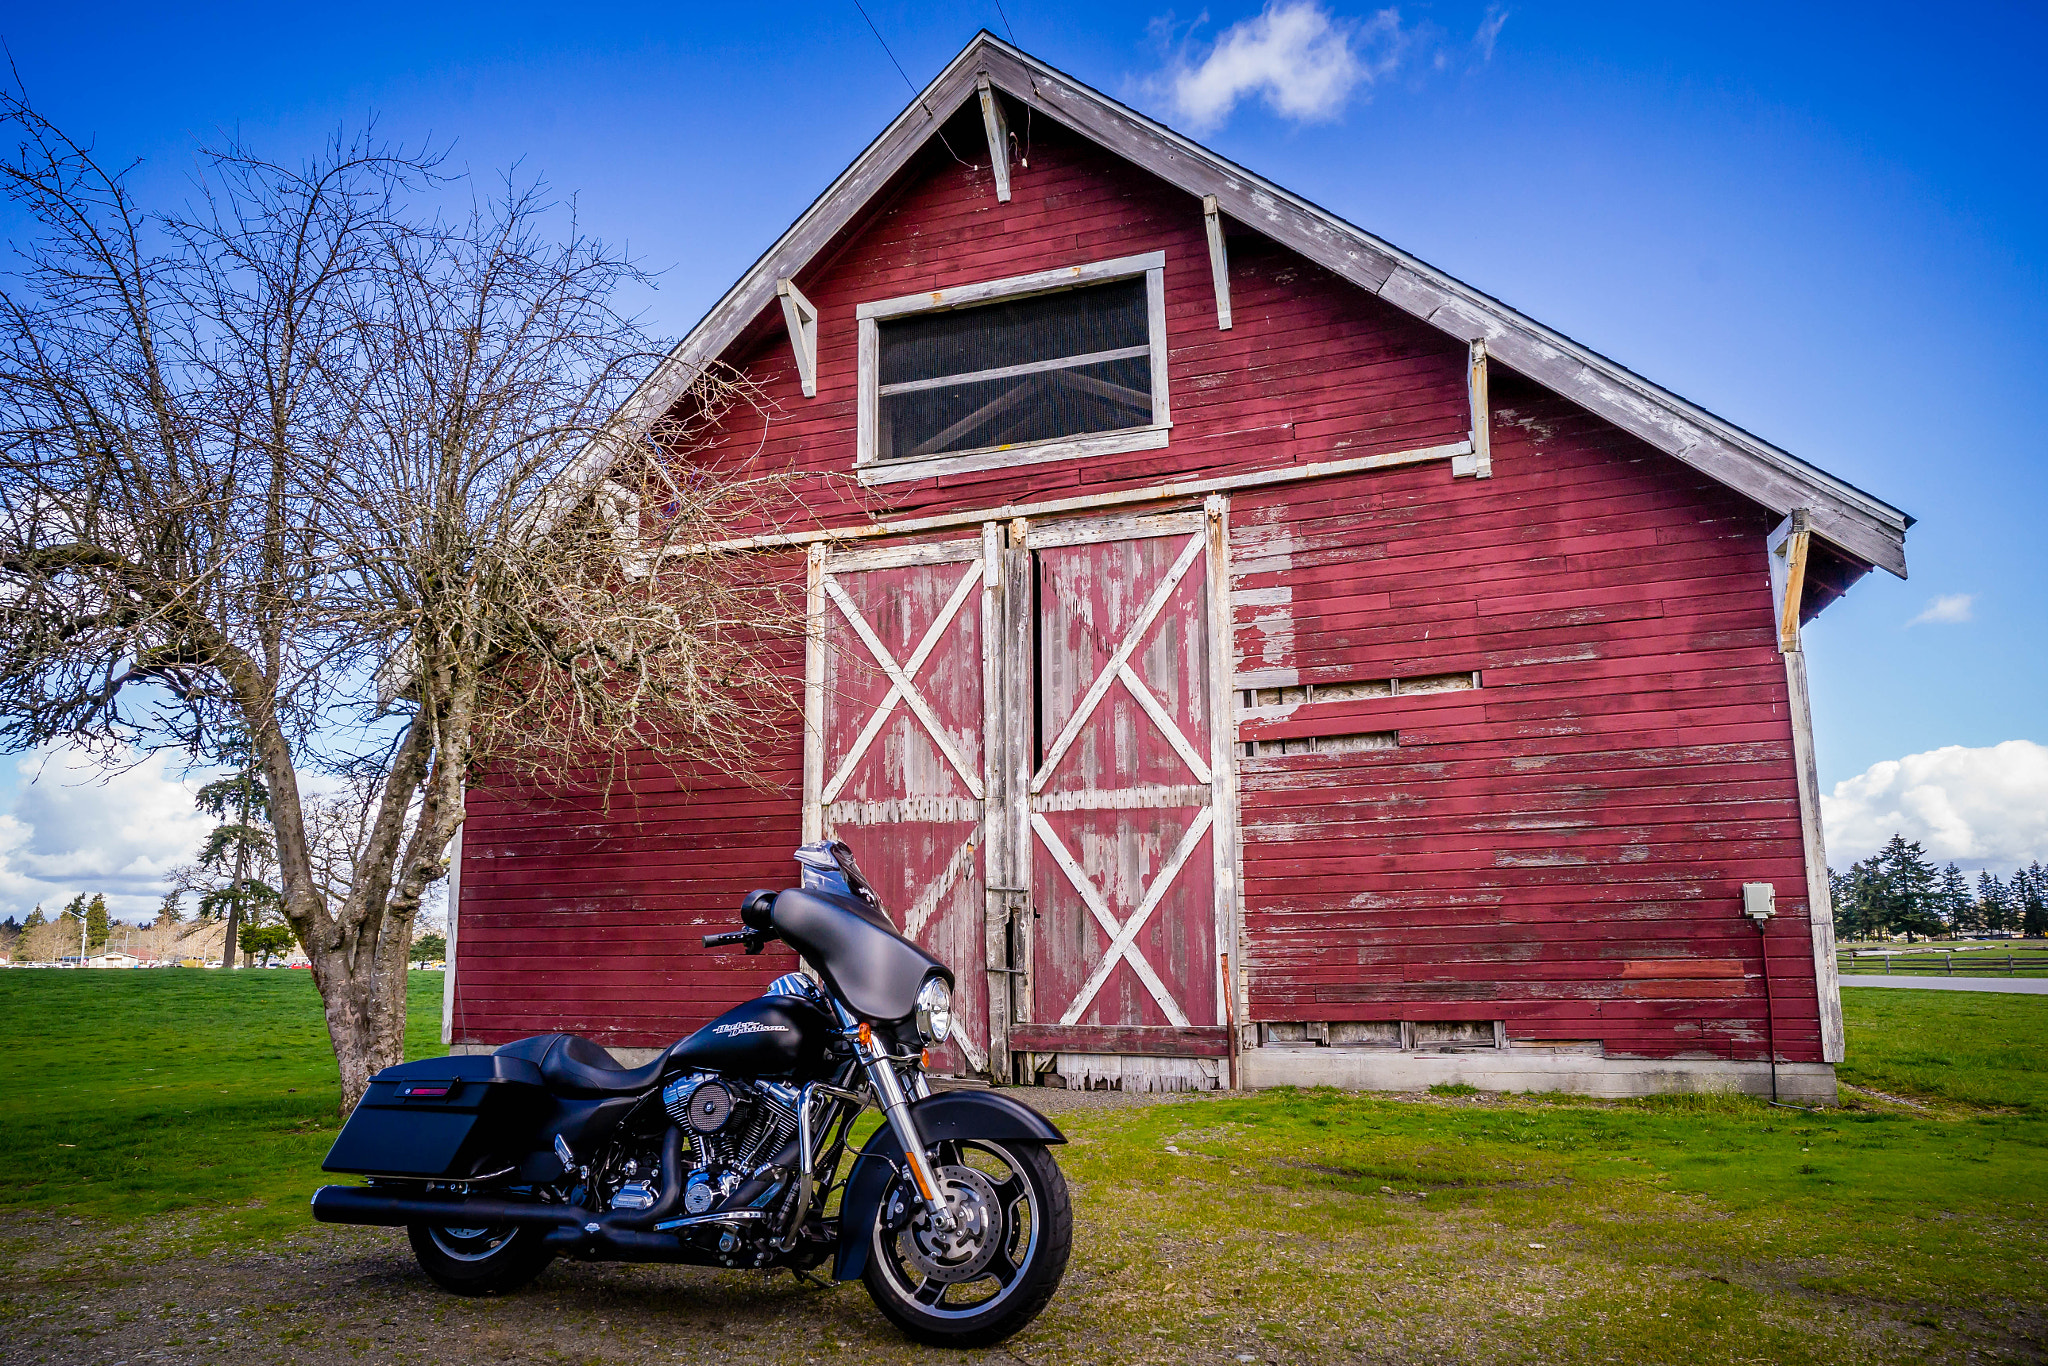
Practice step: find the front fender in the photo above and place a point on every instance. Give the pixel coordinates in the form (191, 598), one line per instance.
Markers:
(941, 1117)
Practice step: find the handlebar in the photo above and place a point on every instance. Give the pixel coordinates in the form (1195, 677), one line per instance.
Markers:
(755, 940)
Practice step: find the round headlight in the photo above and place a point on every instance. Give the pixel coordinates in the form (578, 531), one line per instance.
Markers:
(935, 1011)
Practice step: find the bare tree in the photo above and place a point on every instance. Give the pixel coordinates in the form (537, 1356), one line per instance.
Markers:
(306, 461)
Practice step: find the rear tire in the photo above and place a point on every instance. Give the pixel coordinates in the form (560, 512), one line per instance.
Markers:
(480, 1261)
(975, 1291)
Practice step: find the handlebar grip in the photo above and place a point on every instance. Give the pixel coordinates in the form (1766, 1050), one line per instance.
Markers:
(717, 941)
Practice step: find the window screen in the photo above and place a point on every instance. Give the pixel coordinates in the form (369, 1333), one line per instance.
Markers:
(1031, 369)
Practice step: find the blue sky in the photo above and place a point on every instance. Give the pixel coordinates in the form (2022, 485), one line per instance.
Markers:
(1825, 224)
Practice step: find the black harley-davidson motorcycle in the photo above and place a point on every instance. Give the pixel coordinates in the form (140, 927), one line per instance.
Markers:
(726, 1149)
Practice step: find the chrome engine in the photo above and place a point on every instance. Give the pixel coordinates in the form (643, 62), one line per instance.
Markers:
(735, 1127)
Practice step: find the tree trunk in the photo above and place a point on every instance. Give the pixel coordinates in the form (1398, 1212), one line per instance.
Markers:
(365, 1019)
(227, 953)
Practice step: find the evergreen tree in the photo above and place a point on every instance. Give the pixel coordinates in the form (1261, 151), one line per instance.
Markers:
(1956, 905)
(171, 913)
(35, 920)
(2030, 891)
(97, 928)
(1906, 890)
(72, 919)
(1994, 904)
(241, 844)
(1852, 894)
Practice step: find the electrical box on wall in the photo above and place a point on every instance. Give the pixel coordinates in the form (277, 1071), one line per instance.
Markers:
(1759, 901)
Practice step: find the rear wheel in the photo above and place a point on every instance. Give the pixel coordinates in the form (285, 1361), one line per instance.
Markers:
(1001, 1263)
(480, 1261)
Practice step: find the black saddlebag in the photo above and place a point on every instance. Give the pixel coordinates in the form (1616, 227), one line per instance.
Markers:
(443, 1118)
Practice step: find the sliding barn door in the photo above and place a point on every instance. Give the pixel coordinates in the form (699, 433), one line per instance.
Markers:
(1026, 740)
(1129, 794)
(900, 691)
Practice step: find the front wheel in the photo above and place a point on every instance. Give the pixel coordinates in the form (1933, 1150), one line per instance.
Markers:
(480, 1261)
(1013, 1228)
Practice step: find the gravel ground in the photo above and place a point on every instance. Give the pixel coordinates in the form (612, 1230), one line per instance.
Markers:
(71, 1293)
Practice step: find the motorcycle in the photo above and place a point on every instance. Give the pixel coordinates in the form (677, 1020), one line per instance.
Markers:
(725, 1150)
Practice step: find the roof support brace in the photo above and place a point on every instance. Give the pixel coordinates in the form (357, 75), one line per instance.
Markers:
(998, 129)
(801, 316)
(1787, 546)
(1479, 464)
(1219, 260)
(1790, 578)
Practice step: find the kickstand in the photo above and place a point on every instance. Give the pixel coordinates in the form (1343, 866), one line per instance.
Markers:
(806, 1278)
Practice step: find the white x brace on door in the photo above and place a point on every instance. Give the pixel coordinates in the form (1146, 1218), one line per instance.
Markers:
(1026, 737)
(1131, 797)
(896, 766)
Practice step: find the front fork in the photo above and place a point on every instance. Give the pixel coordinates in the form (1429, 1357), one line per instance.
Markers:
(888, 1088)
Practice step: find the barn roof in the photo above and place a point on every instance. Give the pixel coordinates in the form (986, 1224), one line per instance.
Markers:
(1869, 530)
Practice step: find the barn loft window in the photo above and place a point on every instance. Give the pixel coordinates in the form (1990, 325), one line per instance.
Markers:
(1057, 365)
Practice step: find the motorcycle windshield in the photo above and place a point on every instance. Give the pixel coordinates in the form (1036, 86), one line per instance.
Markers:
(864, 961)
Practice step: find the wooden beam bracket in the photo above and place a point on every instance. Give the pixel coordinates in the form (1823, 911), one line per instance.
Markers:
(1219, 260)
(1788, 578)
(1479, 464)
(998, 129)
(801, 316)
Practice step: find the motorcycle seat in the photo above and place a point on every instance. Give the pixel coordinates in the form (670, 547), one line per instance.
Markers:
(572, 1065)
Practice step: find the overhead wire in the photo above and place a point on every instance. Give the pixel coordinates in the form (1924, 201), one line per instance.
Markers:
(1011, 29)
(876, 30)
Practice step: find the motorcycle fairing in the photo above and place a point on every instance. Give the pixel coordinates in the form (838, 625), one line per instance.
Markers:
(864, 961)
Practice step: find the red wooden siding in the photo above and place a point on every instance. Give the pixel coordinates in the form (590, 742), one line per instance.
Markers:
(1312, 369)
(1564, 847)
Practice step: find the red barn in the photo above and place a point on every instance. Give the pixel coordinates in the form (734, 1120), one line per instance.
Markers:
(1245, 653)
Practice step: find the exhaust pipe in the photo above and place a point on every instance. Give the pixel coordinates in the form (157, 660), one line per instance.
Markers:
(376, 1206)
(370, 1205)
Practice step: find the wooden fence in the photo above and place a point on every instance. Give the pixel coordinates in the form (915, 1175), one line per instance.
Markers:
(1942, 962)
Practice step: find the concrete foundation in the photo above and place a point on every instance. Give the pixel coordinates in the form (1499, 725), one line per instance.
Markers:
(1487, 1069)
(1509, 1069)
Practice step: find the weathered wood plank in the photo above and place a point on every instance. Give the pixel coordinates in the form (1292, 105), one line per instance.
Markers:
(1190, 1041)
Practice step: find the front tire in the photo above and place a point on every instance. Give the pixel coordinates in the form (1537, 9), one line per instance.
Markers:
(480, 1261)
(996, 1272)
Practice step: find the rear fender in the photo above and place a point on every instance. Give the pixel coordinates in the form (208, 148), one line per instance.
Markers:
(941, 1117)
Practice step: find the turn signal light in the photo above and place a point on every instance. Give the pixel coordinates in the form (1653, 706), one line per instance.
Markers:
(866, 1036)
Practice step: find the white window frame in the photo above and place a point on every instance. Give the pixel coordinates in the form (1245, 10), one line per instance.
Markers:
(871, 469)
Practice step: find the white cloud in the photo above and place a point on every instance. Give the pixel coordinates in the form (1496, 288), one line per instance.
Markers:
(76, 829)
(1295, 55)
(1982, 808)
(1489, 32)
(1949, 609)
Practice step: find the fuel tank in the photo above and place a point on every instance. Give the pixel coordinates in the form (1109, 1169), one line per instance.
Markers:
(769, 1036)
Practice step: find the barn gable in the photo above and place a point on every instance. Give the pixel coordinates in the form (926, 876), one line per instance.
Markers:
(1394, 693)
(1865, 530)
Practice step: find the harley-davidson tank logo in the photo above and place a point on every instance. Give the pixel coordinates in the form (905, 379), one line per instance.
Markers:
(749, 1027)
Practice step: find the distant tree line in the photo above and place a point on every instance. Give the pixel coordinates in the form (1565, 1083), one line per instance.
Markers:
(1899, 891)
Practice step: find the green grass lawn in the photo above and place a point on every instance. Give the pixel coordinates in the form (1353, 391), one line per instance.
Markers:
(127, 1094)
(1973, 1048)
(1681, 1229)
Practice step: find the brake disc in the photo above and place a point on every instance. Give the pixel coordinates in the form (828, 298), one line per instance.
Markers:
(964, 1253)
